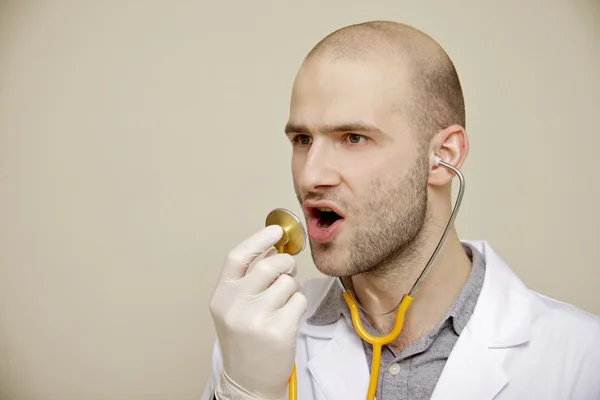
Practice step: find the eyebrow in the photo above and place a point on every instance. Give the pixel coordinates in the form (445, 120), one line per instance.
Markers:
(347, 127)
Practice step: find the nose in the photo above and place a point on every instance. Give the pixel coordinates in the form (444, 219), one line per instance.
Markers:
(319, 171)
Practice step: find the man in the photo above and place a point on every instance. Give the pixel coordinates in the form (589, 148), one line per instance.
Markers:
(372, 106)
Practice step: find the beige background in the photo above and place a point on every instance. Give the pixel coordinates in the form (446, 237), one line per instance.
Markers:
(140, 140)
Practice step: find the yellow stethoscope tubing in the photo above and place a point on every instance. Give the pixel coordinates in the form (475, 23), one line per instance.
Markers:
(376, 341)
(379, 342)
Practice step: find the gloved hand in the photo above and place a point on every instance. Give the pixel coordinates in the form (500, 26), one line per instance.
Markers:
(256, 315)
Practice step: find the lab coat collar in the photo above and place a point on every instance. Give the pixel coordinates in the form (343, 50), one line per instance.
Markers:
(501, 319)
(503, 314)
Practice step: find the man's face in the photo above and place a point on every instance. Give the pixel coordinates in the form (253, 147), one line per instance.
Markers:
(353, 153)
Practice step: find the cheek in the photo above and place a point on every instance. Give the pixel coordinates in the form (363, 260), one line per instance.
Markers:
(297, 166)
(362, 170)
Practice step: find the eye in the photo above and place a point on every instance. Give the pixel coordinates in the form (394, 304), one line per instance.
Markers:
(355, 138)
(303, 140)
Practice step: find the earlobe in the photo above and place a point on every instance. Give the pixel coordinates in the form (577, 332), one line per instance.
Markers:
(450, 145)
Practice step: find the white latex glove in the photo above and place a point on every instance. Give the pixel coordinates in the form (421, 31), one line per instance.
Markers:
(256, 315)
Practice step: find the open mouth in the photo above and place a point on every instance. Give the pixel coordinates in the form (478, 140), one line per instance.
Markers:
(324, 221)
(325, 217)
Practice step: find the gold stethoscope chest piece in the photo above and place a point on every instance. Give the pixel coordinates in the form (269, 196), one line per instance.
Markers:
(293, 239)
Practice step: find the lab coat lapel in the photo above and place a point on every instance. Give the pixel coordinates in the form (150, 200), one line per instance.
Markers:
(474, 371)
(338, 366)
(471, 372)
(501, 320)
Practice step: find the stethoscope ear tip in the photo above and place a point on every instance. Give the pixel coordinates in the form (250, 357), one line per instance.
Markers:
(436, 160)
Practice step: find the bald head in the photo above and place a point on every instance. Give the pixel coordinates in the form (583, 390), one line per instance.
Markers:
(370, 107)
(432, 99)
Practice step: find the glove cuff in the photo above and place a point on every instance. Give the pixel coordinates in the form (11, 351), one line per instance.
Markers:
(227, 389)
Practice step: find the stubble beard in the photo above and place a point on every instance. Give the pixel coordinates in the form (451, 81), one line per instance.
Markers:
(386, 229)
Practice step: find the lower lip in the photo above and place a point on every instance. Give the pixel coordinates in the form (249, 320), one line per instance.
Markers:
(323, 235)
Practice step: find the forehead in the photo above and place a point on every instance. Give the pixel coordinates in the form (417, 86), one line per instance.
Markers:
(337, 92)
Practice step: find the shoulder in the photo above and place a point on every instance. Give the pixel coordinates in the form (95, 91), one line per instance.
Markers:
(508, 311)
(539, 336)
(567, 340)
(566, 320)
(503, 285)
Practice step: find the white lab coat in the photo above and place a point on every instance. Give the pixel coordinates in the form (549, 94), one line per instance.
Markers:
(518, 344)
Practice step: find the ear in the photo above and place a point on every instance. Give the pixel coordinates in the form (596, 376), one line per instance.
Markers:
(451, 145)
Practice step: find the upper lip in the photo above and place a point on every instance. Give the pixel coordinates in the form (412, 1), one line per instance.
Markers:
(311, 206)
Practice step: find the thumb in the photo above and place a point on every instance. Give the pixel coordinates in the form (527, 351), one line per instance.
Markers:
(271, 252)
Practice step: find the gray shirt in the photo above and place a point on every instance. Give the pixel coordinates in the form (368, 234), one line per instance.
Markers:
(413, 374)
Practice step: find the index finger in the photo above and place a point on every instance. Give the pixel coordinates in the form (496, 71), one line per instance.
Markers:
(241, 256)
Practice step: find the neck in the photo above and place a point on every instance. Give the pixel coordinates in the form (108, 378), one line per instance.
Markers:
(380, 293)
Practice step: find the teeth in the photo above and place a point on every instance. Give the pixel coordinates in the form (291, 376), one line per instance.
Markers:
(326, 209)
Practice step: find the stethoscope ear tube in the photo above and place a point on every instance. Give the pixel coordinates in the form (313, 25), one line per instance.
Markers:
(413, 291)
(459, 197)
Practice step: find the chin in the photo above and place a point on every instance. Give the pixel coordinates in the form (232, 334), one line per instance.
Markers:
(330, 259)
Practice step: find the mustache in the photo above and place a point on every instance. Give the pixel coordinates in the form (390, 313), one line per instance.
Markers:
(312, 196)
(335, 199)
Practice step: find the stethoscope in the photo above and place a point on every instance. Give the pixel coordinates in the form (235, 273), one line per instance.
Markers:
(294, 240)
